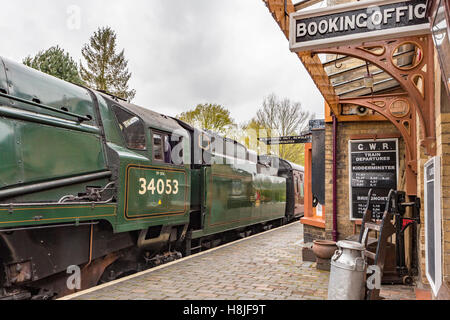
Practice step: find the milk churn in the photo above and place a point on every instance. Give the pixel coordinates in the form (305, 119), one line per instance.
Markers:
(348, 269)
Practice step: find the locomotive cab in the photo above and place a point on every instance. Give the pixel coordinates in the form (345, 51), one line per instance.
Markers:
(154, 168)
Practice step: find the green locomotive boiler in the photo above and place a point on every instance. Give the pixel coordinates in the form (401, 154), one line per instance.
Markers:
(89, 180)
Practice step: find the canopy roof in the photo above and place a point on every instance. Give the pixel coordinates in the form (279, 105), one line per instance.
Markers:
(347, 74)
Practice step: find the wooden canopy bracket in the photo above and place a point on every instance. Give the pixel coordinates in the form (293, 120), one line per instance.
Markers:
(280, 10)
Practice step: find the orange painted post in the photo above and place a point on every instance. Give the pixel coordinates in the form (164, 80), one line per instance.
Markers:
(310, 216)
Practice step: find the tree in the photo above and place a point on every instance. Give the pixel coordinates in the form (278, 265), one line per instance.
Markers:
(212, 117)
(54, 61)
(250, 132)
(106, 70)
(281, 118)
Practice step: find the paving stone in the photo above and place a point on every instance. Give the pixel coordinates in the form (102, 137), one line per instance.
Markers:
(268, 266)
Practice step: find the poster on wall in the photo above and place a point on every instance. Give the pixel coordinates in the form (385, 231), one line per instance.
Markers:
(432, 204)
(373, 165)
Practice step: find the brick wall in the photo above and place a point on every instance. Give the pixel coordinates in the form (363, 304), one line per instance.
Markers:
(421, 160)
(311, 233)
(442, 103)
(345, 131)
(345, 226)
(442, 116)
(443, 150)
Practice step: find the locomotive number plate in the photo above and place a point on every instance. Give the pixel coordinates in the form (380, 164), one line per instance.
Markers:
(162, 186)
(155, 192)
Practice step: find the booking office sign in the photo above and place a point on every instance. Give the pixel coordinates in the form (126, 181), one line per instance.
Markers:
(355, 22)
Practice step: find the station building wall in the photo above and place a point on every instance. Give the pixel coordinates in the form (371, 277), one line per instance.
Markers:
(348, 131)
(442, 110)
(346, 228)
(351, 131)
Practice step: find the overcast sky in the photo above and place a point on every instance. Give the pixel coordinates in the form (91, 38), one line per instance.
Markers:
(181, 53)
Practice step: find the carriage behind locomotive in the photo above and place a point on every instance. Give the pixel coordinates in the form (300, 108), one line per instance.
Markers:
(90, 180)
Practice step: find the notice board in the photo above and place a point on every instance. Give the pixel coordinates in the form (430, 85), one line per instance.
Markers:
(373, 165)
(432, 204)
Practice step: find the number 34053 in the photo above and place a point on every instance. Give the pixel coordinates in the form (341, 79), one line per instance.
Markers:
(160, 186)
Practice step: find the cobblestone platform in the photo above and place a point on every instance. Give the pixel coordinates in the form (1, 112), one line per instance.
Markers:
(266, 266)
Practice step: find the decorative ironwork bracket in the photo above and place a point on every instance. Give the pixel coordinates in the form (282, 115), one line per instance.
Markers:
(416, 81)
(397, 108)
(279, 10)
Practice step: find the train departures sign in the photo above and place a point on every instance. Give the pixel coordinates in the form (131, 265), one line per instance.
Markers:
(364, 20)
(373, 165)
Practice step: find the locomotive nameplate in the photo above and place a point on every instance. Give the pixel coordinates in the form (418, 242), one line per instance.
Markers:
(155, 192)
(373, 165)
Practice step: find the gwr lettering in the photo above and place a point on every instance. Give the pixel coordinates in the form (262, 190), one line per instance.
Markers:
(373, 146)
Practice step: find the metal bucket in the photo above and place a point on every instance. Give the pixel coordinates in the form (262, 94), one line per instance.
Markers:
(348, 271)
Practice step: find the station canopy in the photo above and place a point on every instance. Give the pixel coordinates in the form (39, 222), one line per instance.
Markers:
(352, 77)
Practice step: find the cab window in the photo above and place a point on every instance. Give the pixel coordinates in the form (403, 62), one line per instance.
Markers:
(132, 128)
(163, 148)
(157, 147)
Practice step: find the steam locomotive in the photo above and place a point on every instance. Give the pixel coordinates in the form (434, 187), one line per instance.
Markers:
(90, 181)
